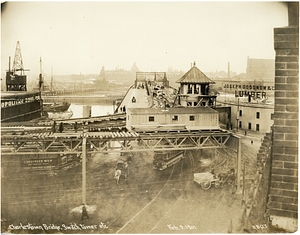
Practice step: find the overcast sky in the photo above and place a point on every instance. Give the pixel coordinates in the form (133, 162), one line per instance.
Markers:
(81, 37)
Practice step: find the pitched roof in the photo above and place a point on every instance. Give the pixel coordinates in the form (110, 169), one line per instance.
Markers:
(194, 75)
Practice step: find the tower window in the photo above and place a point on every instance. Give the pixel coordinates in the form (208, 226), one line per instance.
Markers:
(257, 115)
(190, 89)
(196, 89)
(192, 118)
(241, 113)
(151, 118)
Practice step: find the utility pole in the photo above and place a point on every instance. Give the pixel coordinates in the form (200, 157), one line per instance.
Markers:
(239, 156)
(84, 168)
(238, 113)
(51, 84)
(244, 181)
(9, 64)
(225, 91)
(41, 82)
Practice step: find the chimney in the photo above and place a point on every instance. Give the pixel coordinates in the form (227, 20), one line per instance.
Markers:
(293, 13)
(228, 73)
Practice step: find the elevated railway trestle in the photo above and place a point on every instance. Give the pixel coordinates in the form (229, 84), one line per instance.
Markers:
(101, 142)
(92, 142)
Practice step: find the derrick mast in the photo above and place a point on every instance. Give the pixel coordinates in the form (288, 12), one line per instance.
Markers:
(41, 80)
(16, 78)
(51, 84)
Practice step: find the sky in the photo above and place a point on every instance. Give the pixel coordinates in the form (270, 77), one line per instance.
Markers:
(81, 37)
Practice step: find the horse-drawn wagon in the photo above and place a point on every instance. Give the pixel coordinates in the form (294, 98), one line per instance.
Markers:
(206, 179)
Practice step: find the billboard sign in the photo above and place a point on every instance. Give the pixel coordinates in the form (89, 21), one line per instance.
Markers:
(40, 162)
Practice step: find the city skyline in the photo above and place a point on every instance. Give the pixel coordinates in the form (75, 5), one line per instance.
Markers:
(77, 37)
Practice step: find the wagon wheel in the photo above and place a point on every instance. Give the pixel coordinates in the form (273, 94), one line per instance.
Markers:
(206, 185)
(217, 184)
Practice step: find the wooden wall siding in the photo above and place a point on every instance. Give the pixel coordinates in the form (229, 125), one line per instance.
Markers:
(201, 119)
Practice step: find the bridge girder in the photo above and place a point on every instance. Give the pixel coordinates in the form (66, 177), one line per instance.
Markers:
(107, 143)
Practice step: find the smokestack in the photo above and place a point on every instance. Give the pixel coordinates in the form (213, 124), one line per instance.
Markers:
(293, 13)
(228, 73)
(9, 64)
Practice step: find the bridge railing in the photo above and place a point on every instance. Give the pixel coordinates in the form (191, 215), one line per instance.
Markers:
(254, 213)
(67, 92)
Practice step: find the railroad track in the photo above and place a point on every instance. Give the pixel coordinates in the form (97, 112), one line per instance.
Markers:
(149, 217)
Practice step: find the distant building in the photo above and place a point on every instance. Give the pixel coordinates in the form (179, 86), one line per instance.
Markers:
(260, 69)
(102, 74)
(134, 68)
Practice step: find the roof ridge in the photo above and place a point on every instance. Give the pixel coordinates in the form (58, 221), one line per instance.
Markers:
(194, 75)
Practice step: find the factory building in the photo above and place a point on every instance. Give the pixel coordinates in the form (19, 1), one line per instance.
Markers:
(260, 69)
(252, 117)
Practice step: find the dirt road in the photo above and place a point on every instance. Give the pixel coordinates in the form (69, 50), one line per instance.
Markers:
(149, 202)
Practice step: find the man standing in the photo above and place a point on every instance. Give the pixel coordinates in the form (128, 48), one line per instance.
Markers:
(54, 127)
(75, 127)
(84, 212)
(126, 168)
(61, 127)
(117, 175)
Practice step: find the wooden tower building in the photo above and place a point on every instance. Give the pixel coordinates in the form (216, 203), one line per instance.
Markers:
(194, 89)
